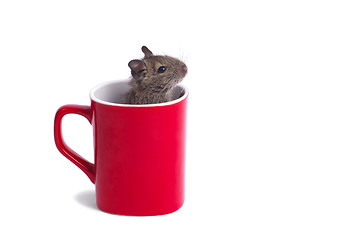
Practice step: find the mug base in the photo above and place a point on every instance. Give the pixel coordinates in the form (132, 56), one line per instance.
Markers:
(136, 213)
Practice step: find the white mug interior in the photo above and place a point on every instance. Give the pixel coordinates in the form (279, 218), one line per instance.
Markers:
(115, 93)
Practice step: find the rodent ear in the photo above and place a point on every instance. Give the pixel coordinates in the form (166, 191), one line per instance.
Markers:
(146, 51)
(138, 69)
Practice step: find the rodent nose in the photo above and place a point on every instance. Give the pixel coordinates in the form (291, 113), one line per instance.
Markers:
(184, 69)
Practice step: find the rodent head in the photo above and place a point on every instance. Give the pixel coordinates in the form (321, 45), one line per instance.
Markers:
(159, 73)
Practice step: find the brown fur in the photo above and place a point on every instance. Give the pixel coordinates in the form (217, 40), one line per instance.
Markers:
(149, 83)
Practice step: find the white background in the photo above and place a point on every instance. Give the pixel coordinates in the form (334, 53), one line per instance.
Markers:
(274, 119)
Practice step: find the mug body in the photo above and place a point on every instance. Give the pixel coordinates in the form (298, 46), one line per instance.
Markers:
(139, 152)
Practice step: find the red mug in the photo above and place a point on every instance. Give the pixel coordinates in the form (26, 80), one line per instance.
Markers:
(139, 150)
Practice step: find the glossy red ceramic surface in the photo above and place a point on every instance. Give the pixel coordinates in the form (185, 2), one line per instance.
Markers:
(139, 155)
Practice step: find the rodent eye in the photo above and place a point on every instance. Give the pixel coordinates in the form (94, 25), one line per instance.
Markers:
(161, 69)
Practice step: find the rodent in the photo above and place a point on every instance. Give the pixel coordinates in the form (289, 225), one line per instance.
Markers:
(153, 78)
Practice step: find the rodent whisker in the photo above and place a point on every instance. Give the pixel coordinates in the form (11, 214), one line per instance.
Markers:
(182, 56)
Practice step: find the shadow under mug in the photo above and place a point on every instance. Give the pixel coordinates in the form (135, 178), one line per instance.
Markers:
(139, 150)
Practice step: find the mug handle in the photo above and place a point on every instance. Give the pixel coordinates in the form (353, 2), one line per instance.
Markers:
(85, 111)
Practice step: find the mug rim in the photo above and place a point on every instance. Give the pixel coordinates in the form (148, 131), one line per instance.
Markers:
(97, 100)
